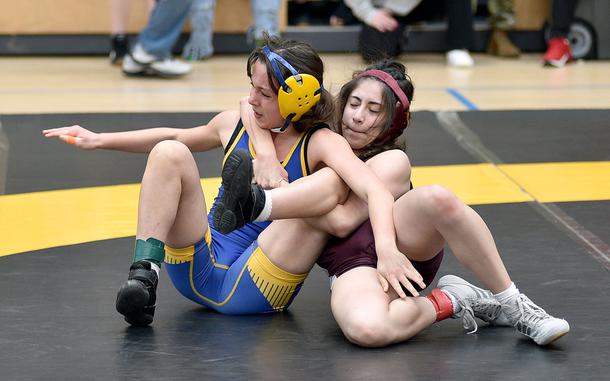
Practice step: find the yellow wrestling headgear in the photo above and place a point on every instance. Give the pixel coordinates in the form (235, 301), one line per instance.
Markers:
(297, 94)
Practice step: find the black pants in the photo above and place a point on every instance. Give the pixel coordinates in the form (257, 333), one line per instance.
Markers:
(375, 45)
(561, 18)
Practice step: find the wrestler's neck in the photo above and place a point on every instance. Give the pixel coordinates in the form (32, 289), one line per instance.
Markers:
(290, 134)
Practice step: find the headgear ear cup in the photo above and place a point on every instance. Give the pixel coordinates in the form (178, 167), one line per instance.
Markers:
(401, 109)
(297, 94)
(300, 97)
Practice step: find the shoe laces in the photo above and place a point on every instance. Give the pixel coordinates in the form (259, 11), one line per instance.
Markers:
(467, 315)
(486, 309)
(531, 314)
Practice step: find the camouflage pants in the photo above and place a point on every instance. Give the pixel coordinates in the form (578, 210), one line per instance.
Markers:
(501, 14)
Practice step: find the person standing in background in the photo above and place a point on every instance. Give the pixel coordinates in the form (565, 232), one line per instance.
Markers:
(501, 19)
(200, 46)
(119, 18)
(152, 54)
(385, 22)
(558, 51)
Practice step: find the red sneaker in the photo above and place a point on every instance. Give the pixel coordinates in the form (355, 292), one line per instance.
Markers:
(558, 52)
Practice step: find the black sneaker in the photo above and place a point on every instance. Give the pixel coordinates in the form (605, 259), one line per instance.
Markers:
(119, 47)
(241, 201)
(136, 297)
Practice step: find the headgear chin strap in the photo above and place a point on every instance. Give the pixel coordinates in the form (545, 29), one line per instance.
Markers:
(297, 94)
(400, 112)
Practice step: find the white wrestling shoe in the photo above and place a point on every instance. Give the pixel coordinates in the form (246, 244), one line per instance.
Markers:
(534, 322)
(475, 302)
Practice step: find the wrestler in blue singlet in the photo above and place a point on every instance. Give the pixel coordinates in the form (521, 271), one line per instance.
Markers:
(229, 272)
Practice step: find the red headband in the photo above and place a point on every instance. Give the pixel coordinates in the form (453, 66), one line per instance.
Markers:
(392, 84)
(400, 118)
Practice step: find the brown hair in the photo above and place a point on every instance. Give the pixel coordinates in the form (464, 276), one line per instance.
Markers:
(388, 138)
(305, 60)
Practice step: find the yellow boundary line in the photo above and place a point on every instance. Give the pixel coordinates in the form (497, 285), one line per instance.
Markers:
(34, 221)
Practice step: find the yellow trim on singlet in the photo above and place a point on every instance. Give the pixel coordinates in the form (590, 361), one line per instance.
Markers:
(251, 149)
(259, 261)
(219, 304)
(232, 147)
(283, 283)
(288, 155)
(303, 165)
(253, 153)
(294, 147)
(275, 284)
(176, 256)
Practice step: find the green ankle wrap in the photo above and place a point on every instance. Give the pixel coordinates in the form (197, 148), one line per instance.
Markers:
(151, 250)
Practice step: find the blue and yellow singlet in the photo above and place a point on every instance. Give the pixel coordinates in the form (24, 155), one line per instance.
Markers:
(229, 272)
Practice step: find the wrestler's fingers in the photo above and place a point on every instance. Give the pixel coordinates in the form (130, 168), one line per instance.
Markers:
(53, 130)
(384, 282)
(412, 273)
(405, 281)
(417, 278)
(53, 133)
(65, 130)
(69, 139)
(396, 285)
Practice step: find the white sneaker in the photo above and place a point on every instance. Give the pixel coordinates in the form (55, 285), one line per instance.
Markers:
(139, 62)
(141, 56)
(131, 67)
(534, 322)
(459, 58)
(474, 301)
(170, 67)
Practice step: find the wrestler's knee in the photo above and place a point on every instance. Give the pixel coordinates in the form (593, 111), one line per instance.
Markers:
(170, 152)
(441, 203)
(366, 331)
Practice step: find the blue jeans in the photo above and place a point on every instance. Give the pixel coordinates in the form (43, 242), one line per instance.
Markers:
(199, 45)
(164, 26)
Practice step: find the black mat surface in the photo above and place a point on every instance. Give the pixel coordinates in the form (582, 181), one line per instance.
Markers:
(37, 163)
(59, 322)
(594, 215)
(428, 144)
(57, 305)
(543, 136)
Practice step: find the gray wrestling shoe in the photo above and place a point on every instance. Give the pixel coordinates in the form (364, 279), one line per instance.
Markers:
(534, 322)
(475, 302)
(523, 314)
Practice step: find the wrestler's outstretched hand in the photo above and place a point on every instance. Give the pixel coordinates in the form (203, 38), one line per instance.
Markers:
(394, 269)
(75, 135)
